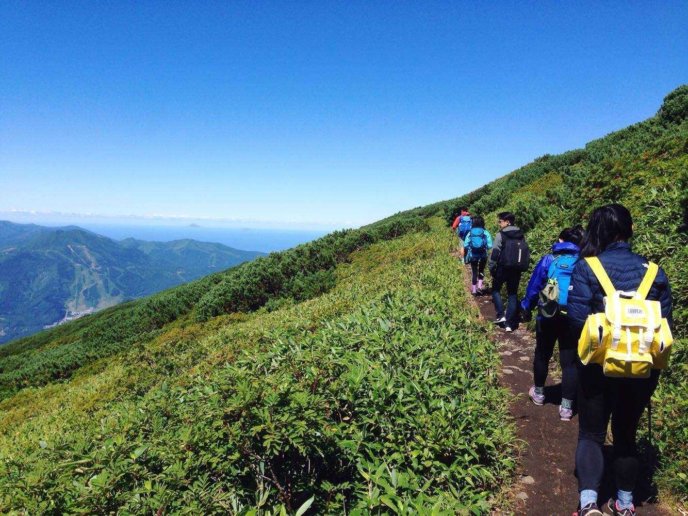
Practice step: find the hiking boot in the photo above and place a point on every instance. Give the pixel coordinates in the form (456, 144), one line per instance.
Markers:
(538, 399)
(500, 320)
(589, 510)
(508, 329)
(565, 414)
(616, 511)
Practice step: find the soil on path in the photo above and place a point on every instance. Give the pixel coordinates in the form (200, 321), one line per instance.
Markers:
(546, 483)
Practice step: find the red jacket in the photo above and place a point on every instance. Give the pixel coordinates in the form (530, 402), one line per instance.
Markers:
(455, 224)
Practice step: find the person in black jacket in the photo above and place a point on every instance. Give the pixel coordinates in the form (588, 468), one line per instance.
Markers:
(503, 274)
(601, 397)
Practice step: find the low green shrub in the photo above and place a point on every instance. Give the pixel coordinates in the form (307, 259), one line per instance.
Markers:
(393, 406)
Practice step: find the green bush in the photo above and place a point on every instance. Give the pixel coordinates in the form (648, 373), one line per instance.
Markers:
(297, 273)
(393, 406)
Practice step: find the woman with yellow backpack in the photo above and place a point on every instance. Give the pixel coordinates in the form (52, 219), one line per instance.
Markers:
(619, 309)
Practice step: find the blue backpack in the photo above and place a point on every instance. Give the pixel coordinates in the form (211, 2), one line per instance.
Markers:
(465, 224)
(554, 296)
(477, 243)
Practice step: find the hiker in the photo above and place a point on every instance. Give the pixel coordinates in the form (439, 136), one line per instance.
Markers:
(509, 259)
(462, 223)
(607, 263)
(476, 245)
(457, 219)
(548, 290)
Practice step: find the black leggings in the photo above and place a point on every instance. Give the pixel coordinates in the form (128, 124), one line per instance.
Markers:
(548, 332)
(478, 270)
(600, 397)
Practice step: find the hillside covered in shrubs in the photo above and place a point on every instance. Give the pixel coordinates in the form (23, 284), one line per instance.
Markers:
(350, 374)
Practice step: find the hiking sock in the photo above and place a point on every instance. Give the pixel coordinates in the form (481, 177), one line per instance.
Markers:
(588, 496)
(567, 404)
(480, 284)
(472, 289)
(624, 499)
(540, 390)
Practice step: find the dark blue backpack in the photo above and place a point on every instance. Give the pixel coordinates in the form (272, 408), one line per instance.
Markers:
(465, 224)
(477, 242)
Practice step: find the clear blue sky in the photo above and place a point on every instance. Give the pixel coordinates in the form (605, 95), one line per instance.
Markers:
(334, 113)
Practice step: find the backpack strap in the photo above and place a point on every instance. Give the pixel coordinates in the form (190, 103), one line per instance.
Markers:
(648, 280)
(554, 262)
(601, 275)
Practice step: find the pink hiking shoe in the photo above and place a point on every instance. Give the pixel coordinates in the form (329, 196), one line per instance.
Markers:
(538, 399)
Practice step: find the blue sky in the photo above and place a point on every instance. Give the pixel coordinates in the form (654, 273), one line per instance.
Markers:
(311, 114)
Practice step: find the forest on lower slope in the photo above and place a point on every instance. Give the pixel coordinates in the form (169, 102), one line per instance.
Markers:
(349, 374)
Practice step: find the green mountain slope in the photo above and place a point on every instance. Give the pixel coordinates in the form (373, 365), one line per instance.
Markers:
(12, 234)
(350, 373)
(190, 259)
(50, 275)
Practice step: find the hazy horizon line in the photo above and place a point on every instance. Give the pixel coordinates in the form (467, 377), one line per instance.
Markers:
(36, 216)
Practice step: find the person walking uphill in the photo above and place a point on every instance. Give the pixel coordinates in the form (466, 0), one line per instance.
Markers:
(476, 245)
(548, 289)
(509, 259)
(621, 351)
(463, 223)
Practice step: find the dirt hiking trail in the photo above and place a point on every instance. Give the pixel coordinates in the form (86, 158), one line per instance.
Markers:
(546, 483)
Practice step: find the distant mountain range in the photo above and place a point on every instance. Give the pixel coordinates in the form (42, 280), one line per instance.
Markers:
(52, 275)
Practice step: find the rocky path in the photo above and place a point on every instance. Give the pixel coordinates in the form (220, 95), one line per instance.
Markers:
(546, 483)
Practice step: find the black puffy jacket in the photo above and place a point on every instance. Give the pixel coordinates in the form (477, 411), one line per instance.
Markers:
(626, 270)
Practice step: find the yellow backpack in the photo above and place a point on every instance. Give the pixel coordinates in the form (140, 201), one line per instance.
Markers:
(630, 338)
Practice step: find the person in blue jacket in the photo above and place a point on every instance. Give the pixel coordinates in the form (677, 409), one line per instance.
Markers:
(601, 397)
(553, 328)
(476, 246)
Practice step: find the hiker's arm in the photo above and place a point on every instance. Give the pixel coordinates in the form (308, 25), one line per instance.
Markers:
(455, 224)
(661, 290)
(488, 239)
(580, 298)
(496, 249)
(536, 283)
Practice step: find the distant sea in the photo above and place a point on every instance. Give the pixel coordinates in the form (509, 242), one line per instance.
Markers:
(246, 239)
